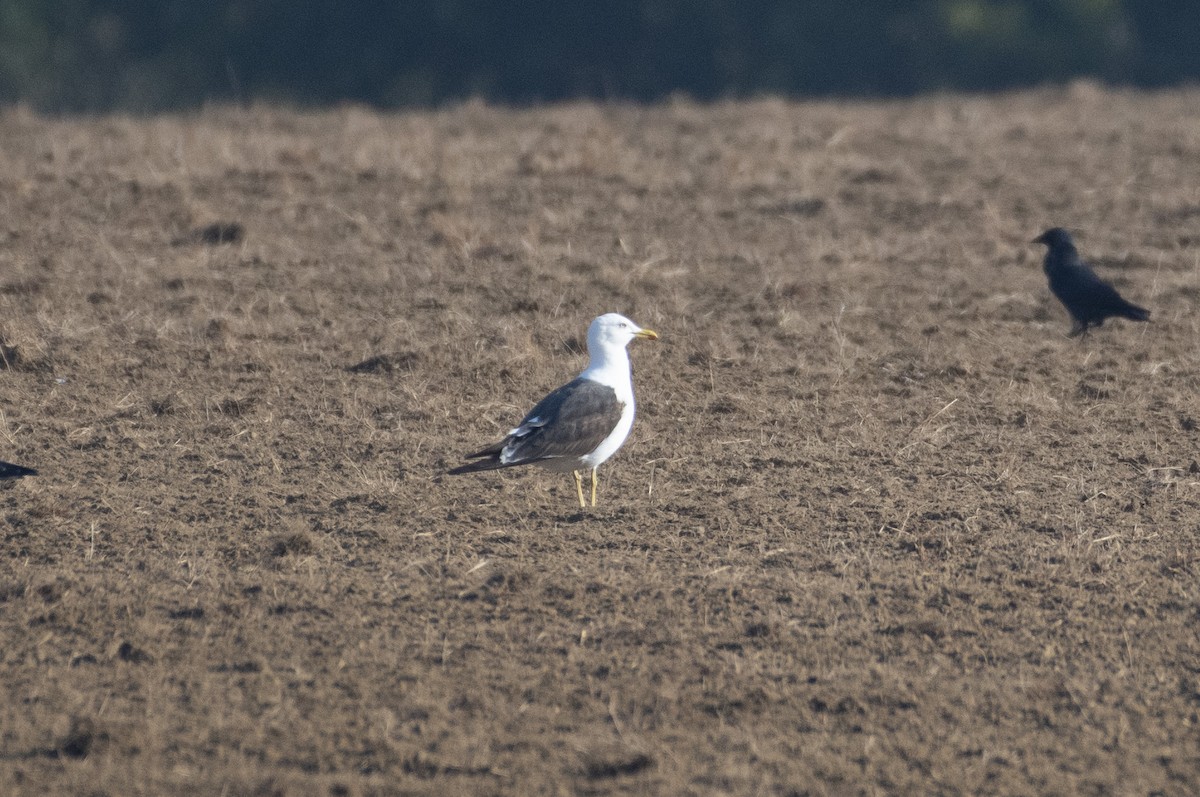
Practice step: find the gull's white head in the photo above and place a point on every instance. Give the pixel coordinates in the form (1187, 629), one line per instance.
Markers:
(613, 330)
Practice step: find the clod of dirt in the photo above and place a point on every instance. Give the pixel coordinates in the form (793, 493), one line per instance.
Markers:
(127, 651)
(10, 356)
(231, 406)
(600, 765)
(755, 630)
(806, 207)
(23, 287)
(268, 788)
(723, 406)
(1093, 392)
(52, 592)
(79, 739)
(221, 232)
(488, 586)
(525, 305)
(420, 765)
(297, 543)
(11, 591)
(192, 613)
(386, 363)
(164, 405)
(239, 667)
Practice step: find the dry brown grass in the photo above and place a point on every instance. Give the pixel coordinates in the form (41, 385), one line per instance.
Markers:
(881, 528)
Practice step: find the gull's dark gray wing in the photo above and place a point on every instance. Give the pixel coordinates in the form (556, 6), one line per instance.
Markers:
(570, 422)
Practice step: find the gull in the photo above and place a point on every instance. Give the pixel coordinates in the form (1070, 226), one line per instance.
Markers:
(581, 424)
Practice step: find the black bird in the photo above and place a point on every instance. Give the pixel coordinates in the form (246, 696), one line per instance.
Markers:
(1087, 298)
(11, 471)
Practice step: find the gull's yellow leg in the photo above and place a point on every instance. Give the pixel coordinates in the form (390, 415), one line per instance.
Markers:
(593, 486)
(579, 487)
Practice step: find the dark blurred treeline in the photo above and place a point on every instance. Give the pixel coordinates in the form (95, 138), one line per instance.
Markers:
(144, 55)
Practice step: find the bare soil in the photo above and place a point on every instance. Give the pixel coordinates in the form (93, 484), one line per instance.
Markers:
(881, 528)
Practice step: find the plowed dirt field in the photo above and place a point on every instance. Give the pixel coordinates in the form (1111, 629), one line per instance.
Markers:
(880, 528)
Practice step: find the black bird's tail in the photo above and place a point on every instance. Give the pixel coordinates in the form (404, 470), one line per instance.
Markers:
(1133, 312)
(11, 471)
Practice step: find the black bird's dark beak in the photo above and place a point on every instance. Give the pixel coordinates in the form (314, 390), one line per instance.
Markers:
(1041, 239)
